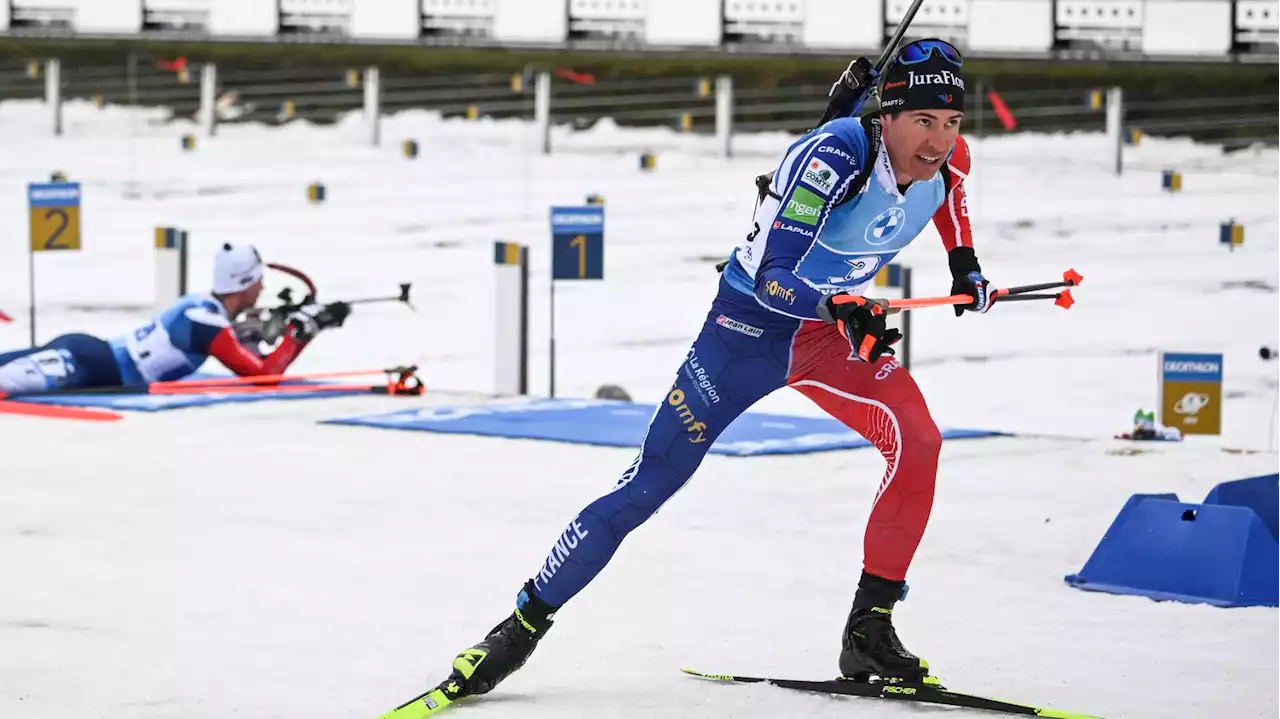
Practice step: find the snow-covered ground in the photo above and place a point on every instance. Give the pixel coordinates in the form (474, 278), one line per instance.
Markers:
(246, 561)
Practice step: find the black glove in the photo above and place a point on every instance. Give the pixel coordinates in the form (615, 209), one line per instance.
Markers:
(862, 323)
(308, 321)
(333, 315)
(967, 279)
(855, 86)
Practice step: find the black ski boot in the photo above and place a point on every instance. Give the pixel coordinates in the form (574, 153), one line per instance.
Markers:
(870, 645)
(505, 649)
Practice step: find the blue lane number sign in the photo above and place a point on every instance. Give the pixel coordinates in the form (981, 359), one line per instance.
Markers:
(55, 216)
(577, 243)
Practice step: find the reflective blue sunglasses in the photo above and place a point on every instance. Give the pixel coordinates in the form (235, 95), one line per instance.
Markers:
(920, 50)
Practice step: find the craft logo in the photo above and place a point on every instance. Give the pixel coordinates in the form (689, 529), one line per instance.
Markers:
(820, 176)
(887, 368)
(946, 77)
(731, 324)
(697, 429)
(886, 167)
(1191, 403)
(894, 102)
(803, 207)
(828, 150)
(564, 546)
(777, 290)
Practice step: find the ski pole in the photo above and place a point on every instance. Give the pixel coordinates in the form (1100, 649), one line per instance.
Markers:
(1063, 299)
(403, 374)
(403, 380)
(275, 378)
(391, 389)
(1070, 278)
(1030, 296)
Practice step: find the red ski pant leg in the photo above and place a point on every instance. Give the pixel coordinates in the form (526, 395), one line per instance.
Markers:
(881, 402)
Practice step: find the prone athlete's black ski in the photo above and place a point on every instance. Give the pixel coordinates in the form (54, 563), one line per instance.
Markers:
(921, 693)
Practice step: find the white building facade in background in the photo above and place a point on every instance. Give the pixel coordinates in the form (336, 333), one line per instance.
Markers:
(1192, 29)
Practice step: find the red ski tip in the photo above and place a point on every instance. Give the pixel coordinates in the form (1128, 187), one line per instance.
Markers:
(1065, 300)
(31, 409)
(4, 317)
(1072, 278)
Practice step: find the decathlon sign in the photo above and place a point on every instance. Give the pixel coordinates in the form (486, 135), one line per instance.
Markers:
(1191, 392)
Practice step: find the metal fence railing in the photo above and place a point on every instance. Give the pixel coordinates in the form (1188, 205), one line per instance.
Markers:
(688, 105)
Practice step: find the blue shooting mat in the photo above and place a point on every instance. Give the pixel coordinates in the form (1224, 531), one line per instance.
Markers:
(162, 402)
(622, 424)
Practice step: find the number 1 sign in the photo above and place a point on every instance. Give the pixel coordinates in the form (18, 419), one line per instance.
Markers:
(577, 253)
(54, 209)
(577, 243)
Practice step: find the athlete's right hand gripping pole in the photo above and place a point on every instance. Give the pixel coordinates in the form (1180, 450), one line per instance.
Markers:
(850, 91)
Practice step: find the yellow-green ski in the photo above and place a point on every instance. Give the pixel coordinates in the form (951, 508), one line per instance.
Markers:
(423, 706)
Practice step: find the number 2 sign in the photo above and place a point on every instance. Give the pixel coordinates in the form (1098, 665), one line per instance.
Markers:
(55, 216)
(54, 209)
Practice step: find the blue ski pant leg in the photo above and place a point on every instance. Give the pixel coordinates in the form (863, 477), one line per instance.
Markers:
(66, 362)
(733, 363)
(7, 357)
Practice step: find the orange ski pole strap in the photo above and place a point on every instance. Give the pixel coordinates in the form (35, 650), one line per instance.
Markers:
(915, 303)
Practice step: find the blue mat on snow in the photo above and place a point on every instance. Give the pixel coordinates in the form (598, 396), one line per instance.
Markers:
(161, 402)
(623, 424)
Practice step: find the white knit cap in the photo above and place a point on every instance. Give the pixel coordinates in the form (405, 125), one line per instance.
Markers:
(235, 268)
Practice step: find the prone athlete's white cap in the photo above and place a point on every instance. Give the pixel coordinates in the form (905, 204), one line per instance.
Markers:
(235, 268)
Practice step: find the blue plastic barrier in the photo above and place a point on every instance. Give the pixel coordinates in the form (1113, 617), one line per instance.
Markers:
(1221, 552)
